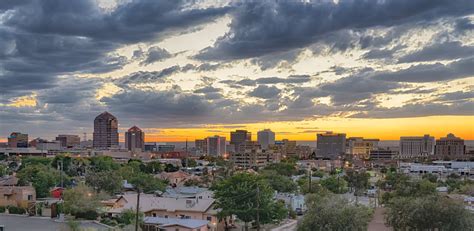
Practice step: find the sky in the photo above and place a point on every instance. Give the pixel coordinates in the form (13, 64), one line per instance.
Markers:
(190, 69)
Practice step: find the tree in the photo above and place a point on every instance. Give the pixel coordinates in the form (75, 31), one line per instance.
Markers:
(357, 181)
(80, 200)
(335, 184)
(3, 170)
(431, 177)
(428, 213)
(29, 160)
(107, 181)
(153, 167)
(278, 182)
(188, 163)
(103, 163)
(333, 213)
(248, 196)
(128, 216)
(283, 168)
(42, 177)
(171, 168)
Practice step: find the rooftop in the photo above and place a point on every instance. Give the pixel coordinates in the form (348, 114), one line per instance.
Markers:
(188, 223)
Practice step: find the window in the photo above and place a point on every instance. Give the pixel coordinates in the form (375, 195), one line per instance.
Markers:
(154, 214)
(166, 216)
(30, 197)
(209, 218)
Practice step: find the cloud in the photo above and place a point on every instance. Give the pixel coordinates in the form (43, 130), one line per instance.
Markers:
(147, 76)
(155, 54)
(265, 27)
(265, 92)
(430, 72)
(456, 96)
(439, 51)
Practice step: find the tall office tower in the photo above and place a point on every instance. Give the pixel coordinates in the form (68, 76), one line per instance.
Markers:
(265, 138)
(69, 141)
(134, 139)
(330, 145)
(450, 146)
(416, 146)
(105, 131)
(238, 137)
(201, 146)
(215, 145)
(18, 140)
(361, 147)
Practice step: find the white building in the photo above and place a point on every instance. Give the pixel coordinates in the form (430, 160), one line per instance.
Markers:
(416, 146)
(265, 138)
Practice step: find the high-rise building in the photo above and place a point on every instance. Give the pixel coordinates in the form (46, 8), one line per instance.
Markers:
(265, 138)
(216, 146)
(105, 131)
(416, 146)
(238, 137)
(201, 146)
(361, 147)
(135, 139)
(330, 145)
(69, 141)
(18, 140)
(251, 155)
(450, 146)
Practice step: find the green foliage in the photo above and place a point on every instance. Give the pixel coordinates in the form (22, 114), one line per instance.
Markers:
(283, 168)
(42, 177)
(335, 184)
(128, 216)
(103, 163)
(430, 177)
(29, 160)
(16, 210)
(333, 213)
(359, 181)
(171, 168)
(66, 160)
(428, 213)
(80, 200)
(153, 167)
(278, 182)
(246, 194)
(3, 170)
(315, 188)
(146, 183)
(3, 209)
(73, 225)
(107, 181)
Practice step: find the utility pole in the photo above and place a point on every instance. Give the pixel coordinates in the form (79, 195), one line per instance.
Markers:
(138, 209)
(309, 181)
(258, 207)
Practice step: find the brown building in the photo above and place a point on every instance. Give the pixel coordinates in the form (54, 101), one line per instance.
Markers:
(105, 131)
(250, 155)
(13, 195)
(69, 141)
(201, 146)
(450, 146)
(134, 139)
(18, 140)
(238, 137)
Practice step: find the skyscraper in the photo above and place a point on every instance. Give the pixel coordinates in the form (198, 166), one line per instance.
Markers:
(238, 137)
(18, 140)
(105, 131)
(331, 145)
(450, 146)
(415, 146)
(266, 137)
(134, 139)
(216, 146)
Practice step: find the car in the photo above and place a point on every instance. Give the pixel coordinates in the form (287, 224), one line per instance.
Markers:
(299, 211)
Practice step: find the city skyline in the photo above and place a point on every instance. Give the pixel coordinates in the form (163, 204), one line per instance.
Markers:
(188, 71)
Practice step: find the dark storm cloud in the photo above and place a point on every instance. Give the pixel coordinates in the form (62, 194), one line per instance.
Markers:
(155, 54)
(264, 27)
(147, 76)
(70, 91)
(456, 96)
(430, 72)
(381, 53)
(441, 51)
(265, 92)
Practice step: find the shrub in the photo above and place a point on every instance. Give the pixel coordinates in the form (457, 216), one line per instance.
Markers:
(88, 215)
(2, 209)
(16, 210)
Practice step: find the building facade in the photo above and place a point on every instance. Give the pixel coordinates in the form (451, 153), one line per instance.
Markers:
(69, 141)
(201, 146)
(238, 137)
(450, 146)
(251, 155)
(135, 139)
(416, 146)
(265, 138)
(216, 146)
(105, 131)
(330, 145)
(361, 147)
(18, 140)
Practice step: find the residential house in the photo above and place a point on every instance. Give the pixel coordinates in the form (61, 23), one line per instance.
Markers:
(11, 194)
(187, 192)
(175, 178)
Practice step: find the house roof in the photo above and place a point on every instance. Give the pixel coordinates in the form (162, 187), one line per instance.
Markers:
(149, 202)
(177, 174)
(188, 223)
(8, 181)
(183, 191)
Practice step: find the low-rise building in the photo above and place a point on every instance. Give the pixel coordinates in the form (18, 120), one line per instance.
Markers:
(360, 147)
(250, 155)
(382, 154)
(450, 146)
(13, 195)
